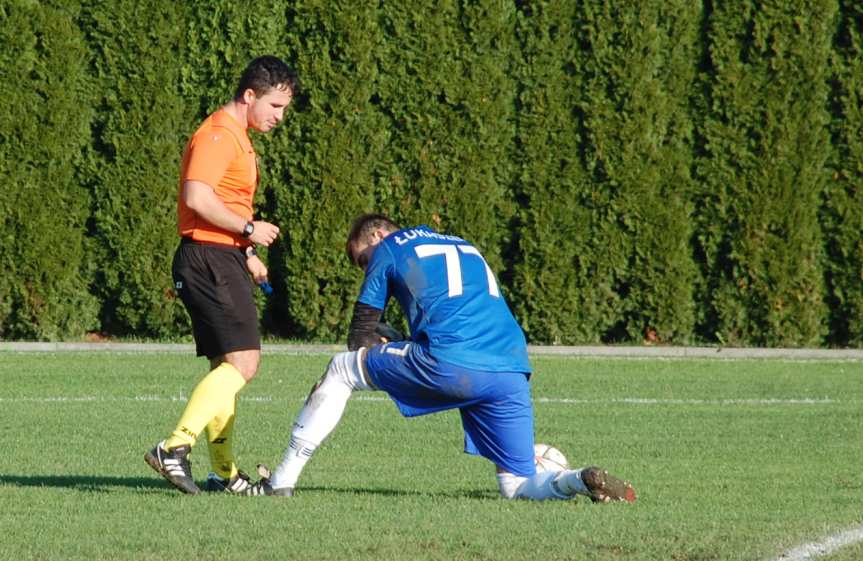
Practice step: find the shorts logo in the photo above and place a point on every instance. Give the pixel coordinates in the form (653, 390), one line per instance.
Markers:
(396, 351)
(178, 285)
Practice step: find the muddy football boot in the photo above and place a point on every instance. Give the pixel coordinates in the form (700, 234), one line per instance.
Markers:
(605, 488)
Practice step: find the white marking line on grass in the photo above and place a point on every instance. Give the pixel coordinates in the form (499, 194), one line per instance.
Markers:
(552, 400)
(651, 401)
(828, 545)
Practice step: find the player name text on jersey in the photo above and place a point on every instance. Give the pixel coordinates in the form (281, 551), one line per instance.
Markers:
(405, 236)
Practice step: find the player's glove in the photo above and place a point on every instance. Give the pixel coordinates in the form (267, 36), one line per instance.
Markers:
(388, 332)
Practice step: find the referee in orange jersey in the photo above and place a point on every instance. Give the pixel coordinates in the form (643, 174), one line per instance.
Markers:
(211, 271)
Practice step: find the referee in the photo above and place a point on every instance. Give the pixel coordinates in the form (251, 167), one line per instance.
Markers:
(211, 271)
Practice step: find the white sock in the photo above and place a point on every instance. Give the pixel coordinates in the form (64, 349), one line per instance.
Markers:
(570, 483)
(299, 452)
(538, 487)
(319, 416)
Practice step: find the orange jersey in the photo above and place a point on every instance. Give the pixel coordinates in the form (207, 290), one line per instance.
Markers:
(221, 155)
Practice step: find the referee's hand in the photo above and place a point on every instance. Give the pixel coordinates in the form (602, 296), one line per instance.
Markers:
(257, 269)
(264, 233)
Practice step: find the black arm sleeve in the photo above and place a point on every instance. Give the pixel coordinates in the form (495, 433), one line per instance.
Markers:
(363, 324)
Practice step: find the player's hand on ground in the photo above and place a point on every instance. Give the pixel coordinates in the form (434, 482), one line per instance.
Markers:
(257, 269)
(264, 233)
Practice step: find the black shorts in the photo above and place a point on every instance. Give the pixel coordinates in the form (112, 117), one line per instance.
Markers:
(213, 283)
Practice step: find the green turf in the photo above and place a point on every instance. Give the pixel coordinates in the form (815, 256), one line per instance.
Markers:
(739, 459)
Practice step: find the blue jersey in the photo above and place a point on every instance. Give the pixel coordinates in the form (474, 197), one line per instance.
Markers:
(450, 297)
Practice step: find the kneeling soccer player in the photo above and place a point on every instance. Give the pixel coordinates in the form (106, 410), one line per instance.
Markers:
(466, 352)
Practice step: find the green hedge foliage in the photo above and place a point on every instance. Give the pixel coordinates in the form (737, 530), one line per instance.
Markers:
(763, 171)
(405, 111)
(842, 208)
(133, 162)
(46, 255)
(604, 247)
(663, 172)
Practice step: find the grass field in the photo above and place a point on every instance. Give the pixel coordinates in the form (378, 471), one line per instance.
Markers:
(732, 459)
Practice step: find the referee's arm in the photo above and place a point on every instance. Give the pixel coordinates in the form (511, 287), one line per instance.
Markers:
(202, 198)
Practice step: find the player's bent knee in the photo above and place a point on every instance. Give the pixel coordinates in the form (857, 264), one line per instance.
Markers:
(346, 368)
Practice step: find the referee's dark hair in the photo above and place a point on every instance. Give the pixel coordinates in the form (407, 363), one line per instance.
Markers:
(265, 73)
(363, 227)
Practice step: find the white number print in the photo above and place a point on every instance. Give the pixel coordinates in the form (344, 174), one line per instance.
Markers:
(453, 265)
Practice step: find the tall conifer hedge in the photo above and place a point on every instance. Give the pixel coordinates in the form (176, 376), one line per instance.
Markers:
(407, 110)
(672, 171)
(762, 174)
(606, 153)
(45, 255)
(132, 170)
(842, 214)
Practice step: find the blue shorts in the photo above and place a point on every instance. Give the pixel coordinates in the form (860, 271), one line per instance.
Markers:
(496, 409)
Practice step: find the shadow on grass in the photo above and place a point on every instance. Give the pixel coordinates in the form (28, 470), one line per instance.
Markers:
(104, 484)
(481, 494)
(90, 483)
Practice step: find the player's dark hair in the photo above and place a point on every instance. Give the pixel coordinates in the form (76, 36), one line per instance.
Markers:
(363, 227)
(265, 73)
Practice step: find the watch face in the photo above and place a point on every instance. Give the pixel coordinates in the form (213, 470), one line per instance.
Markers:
(248, 229)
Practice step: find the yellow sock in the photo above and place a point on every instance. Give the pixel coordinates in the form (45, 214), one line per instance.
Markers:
(214, 394)
(220, 434)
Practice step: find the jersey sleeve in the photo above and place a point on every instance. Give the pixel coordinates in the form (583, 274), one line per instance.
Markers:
(375, 289)
(210, 154)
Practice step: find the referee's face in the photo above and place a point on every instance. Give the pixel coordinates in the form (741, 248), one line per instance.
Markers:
(267, 111)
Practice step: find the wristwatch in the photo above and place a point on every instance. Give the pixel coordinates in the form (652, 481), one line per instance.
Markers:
(248, 229)
(250, 251)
